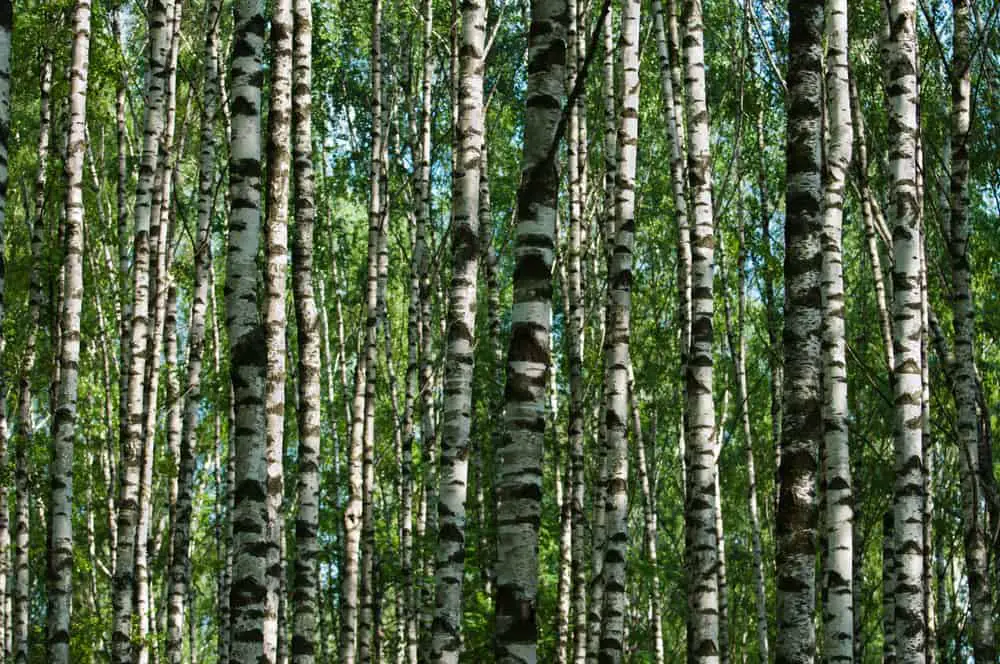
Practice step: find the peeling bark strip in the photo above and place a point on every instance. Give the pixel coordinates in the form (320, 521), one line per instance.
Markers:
(305, 596)
(519, 455)
(617, 359)
(180, 565)
(838, 604)
(60, 562)
(251, 543)
(160, 14)
(965, 388)
(801, 428)
(908, 499)
(446, 633)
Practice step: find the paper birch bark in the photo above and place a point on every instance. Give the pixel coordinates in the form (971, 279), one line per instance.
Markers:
(22, 518)
(908, 496)
(617, 358)
(446, 637)
(838, 609)
(306, 593)
(160, 13)
(275, 296)
(248, 588)
(180, 563)
(701, 545)
(60, 553)
(964, 376)
(801, 428)
(519, 455)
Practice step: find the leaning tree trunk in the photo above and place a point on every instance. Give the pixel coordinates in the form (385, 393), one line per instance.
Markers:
(446, 637)
(251, 543)
(275, 320)
(180, 564)
(160, 14)
(305, 598)
(908, 497)
(60, 517)
(974, 516)
(701, 544)
(838, 608)
(801, 428)
(519, 471)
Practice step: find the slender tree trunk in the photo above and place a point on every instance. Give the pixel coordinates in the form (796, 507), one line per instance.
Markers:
(378, 262)
(275, 320)
(160, 14)
(838, 609)
(305, 598)
(356, 625)
(576, 157)
(699, 515)
(415, 329)
(888, 590)
(6, 30)
(60, 521)
(595, 608)
(650, 533)
(180, 564)
(869, 211)
(801, 427)
(446, 639)
(22, 521)
(974, 515)
(251, 534)
(617, 358)
(737, 346)
(519, 471)
(908, 500)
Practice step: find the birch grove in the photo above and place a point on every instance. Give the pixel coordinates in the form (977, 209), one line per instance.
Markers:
(572, 331)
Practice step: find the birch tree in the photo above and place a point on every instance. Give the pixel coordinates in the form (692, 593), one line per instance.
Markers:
(247, 342)
(699, 416)
(965, 386)
(64, 421)
(519, 472)
(838, 619)
(180, 568)
(908, 497)
(801, 428)
(305, 600)
(459, 362)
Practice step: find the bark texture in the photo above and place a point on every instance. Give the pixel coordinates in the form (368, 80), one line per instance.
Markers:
(446, 637)
(248, 588)
(519, 455)
(838, 606)
(802, 425)
(908, 496)
(60, 554)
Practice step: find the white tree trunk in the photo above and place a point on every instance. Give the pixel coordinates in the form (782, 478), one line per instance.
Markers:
(60, 560)
(519, 455)
(801, 428)
(248, 588)
(908, 502)
(838, 609)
